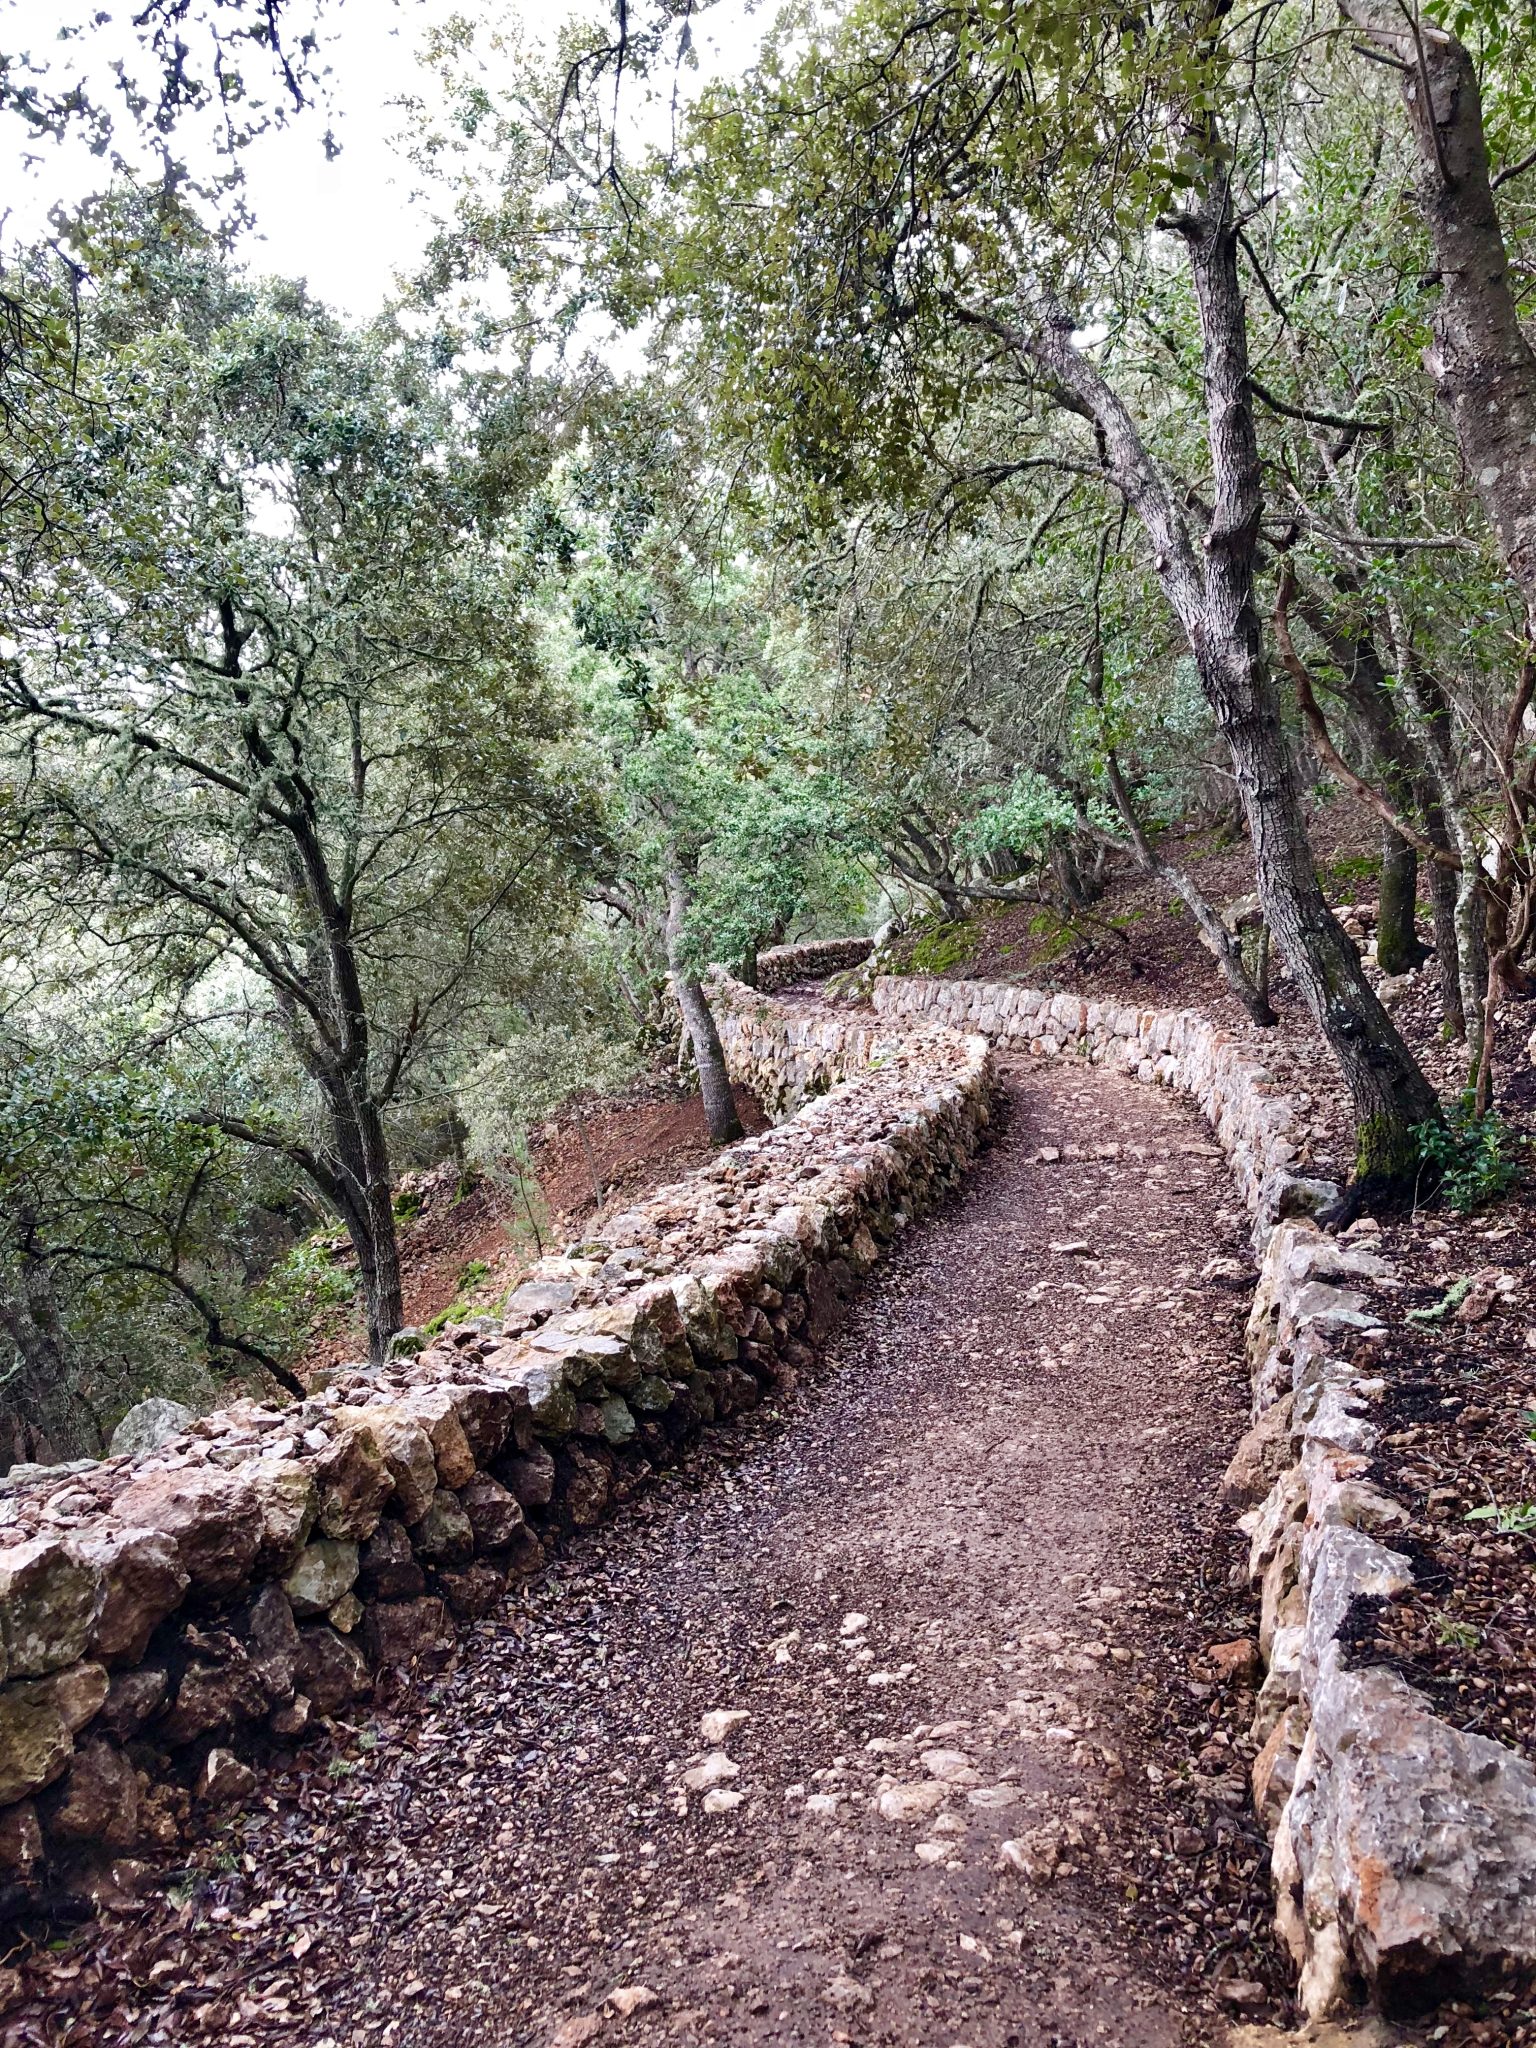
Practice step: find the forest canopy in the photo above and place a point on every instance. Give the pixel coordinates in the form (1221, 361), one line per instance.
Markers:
(966, 455)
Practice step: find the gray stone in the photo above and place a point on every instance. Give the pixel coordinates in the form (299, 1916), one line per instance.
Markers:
(321, 1573)
(147, 1425)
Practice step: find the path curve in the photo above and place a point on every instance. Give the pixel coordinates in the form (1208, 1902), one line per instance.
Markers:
(931, 1583)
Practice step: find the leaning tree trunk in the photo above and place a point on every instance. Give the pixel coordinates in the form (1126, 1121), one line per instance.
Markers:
(1212, 592)
(1389, 1093)
(708, 1053)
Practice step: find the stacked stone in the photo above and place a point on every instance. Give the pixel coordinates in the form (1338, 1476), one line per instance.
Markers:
(813, 960)
(1252, 1119)
(264, 1564)
(1404, 1850)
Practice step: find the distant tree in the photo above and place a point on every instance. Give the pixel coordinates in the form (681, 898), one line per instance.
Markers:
(271, 717)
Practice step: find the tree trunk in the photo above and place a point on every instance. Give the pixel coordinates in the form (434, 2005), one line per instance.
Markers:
(1397, 945)
(1389, 1093)
(1482, 361)
(708, 1053)
(1218, 941)
(1213, 595)
(365, 1198)
(1444, 885)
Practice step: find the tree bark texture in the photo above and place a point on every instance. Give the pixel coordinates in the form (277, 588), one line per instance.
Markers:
(708, 1054)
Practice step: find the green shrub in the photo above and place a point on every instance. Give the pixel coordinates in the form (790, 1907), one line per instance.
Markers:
(1469, 1159)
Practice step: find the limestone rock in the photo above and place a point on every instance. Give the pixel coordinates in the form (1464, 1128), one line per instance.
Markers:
(1261, 1456)
(329, 1670)
(719, 1726)
(530, 1477)
(272, 1642)
(98, 1801)
(132, 1698)
(142, 1580)
(216, 1691)
(78, 1693)
(472, 1590)
(910, 1802)
(49, 1598)
(1425, 1836)
(320, 1574)
(398, 1632)
(224, 1780)
(629, 1999)
(147, 1425)
(716, 1769)
(444, 1535)
(211, 1515)
(387, 1567)
(495, 1518)
(289, 1503)
(353, 1480)
(35, 1743)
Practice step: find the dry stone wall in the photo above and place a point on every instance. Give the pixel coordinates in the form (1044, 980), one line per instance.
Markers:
(1404, 1850)
(1253, 1120)
(161, 1612)
(812, 960)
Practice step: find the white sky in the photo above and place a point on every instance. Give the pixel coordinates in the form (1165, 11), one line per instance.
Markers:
(347, 226)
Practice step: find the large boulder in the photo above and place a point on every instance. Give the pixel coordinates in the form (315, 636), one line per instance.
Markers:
(147, 1425)
(406, 1450)
(1420, 1839)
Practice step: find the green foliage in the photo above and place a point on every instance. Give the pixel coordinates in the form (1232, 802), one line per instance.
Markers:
(1515, 1518)
(938, 947)
(1469, 1159)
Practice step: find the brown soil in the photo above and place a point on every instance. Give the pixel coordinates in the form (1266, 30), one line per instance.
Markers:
(1003, 1465)
(589, 1158)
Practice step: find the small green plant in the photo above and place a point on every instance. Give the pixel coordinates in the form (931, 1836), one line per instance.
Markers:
(407, 1205)
(1456, 1635)
(1469, 1158)
(1518, 1519)
(472, 1274)
(1352, 868)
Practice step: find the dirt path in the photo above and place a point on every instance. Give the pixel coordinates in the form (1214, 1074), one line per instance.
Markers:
(938, 1591)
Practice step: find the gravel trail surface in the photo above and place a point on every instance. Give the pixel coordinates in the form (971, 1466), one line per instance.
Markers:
(938, 1591)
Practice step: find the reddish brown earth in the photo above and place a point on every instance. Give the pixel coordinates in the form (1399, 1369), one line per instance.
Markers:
(592, 1156)
(1004, 1466)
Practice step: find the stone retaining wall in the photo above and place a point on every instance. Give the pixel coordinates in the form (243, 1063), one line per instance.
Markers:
(812, 960)
(264, 1565)
(1404, 1851)
(1253, 1120)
